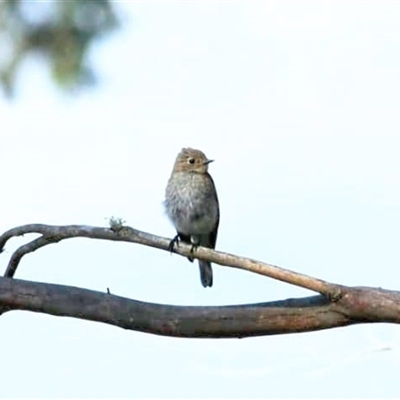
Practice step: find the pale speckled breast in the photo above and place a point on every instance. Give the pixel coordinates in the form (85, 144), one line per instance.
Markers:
(191, 202)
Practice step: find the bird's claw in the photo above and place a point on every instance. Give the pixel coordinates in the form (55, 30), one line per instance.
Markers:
(172, 243)
(175, 241)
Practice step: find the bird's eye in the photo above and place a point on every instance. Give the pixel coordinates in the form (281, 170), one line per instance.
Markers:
(191, 160)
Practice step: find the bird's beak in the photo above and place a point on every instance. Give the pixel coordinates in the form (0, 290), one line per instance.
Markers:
(208, 162)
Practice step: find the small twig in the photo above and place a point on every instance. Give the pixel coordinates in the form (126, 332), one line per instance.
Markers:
(127, 234)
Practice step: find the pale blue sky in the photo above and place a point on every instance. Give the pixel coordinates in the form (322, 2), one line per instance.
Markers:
(298, 103)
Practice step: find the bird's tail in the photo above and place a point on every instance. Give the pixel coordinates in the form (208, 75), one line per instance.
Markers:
(206, 274)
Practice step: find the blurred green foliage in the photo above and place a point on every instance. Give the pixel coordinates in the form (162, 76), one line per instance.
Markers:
(61, 31)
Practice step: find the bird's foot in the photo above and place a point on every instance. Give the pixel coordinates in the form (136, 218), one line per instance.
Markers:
(194, 247)
(172, 243)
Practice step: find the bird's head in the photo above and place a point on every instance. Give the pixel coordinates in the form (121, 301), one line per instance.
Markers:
(191, 160)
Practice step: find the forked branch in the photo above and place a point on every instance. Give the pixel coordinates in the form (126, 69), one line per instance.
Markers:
(51, 234)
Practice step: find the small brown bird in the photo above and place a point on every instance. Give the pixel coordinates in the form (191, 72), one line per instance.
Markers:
(191, 203)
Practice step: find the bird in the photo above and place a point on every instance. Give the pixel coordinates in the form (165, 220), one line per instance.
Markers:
(191, 203)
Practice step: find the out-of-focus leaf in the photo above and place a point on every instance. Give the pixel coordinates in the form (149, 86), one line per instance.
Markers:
(61, 31)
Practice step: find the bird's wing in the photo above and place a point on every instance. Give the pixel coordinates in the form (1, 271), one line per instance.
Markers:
(212, 238)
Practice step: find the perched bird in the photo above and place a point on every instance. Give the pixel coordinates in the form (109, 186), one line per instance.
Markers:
(191, 203)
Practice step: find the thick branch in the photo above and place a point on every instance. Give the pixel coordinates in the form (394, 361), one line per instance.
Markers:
(358, 305)
(351, 305)
(51, 234)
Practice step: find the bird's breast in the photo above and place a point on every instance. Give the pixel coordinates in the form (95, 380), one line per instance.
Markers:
(191, 203)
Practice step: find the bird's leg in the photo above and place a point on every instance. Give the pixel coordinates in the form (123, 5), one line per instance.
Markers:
(195, 241)
(192, 249)
(173, 242)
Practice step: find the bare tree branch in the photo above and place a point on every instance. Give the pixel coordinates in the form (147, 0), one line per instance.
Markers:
(358, 305)
(51, 234)
(337, 306)
(25, 249)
